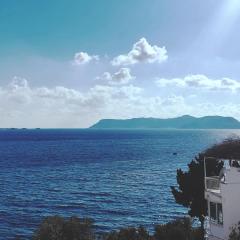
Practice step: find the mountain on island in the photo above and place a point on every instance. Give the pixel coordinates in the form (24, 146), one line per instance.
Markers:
(183, 122)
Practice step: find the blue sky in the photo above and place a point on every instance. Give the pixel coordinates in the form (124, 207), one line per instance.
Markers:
(87, 60)
(58, 28)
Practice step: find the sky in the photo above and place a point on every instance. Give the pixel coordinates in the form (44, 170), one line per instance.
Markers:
(68, 64)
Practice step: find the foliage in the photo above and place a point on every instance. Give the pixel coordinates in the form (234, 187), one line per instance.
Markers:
(58, 228)
(129, 233)
(180, 229)
(190, 191)
(235, 233)
(228, 149)
(196, 234)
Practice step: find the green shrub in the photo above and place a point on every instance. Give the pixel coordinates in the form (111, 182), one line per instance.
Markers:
(58, 228)
(180, 229)
(235, 233)
(175, 230)
(128, 234)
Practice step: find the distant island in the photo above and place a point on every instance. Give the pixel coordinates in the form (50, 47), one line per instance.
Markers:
(183, 122)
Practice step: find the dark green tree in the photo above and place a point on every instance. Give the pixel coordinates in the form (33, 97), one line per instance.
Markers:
(130, 233)
(180, 229)
(190, 189)
(235, 233)
(51, 228)
(58, 228)
(78, 229)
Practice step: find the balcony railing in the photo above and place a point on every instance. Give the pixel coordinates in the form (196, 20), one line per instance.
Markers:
(212, 183)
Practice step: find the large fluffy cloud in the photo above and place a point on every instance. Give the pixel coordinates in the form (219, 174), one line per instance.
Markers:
(83, 58)
(201, 81)
(122, 76)
(142, 51)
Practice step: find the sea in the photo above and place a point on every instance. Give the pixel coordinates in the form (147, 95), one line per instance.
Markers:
(118, 178)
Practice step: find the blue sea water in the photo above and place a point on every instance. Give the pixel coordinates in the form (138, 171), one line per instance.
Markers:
(118, 178)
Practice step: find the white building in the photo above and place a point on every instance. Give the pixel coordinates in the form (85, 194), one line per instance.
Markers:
(223, 197)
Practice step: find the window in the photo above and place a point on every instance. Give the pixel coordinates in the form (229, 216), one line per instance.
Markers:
(219, 213)
(213, 215)
(216, 213)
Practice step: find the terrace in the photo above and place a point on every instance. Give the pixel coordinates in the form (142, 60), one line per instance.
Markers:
(212, 183)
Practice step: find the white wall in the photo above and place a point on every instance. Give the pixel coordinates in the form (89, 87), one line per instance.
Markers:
(230, 192)
(230, 198)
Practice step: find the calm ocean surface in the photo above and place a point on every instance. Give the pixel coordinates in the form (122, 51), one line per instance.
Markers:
(118, 178)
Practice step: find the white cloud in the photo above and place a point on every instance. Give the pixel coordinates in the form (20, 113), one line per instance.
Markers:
(18, 82)
(123, 76)
(142, 51)
(83, 58)
(200, 81)
(24, 106)
(18, 91)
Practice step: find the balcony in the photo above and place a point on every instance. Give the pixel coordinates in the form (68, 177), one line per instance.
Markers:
(212, 183)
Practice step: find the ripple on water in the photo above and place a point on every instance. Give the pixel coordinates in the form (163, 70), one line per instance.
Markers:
(118, 178)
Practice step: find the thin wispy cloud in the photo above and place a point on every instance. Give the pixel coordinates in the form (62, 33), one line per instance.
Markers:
(200, 82)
